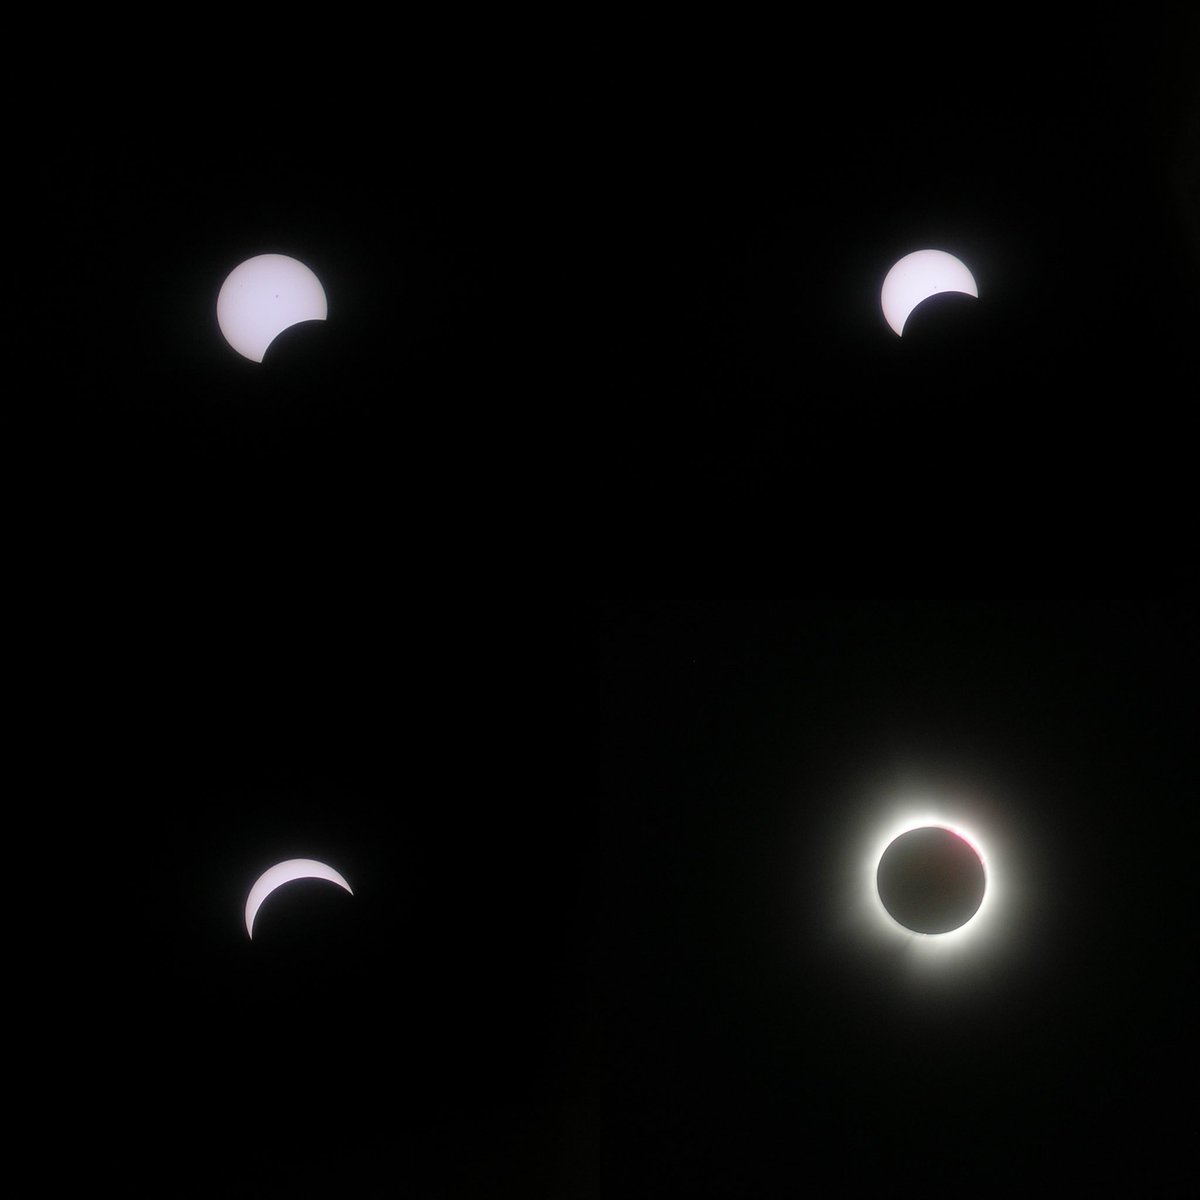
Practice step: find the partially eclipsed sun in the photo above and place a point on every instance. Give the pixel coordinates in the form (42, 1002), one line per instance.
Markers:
(916, 277)
(285, 872)
(262, 297)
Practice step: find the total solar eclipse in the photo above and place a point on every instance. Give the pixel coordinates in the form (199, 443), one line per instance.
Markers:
(930, 880)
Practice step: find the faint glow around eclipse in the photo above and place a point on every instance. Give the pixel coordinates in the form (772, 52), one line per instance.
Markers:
(916, 277)
(285, 872)
(993, 807)
(262, 297)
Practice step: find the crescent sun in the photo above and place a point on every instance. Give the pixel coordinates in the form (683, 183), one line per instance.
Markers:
(916, 277)
(285, 872)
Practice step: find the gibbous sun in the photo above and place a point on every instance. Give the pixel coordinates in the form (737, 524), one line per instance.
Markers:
(285, 872)
(916, 277)
(262, 297)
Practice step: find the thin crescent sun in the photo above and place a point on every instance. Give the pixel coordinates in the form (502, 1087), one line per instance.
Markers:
(285, 872)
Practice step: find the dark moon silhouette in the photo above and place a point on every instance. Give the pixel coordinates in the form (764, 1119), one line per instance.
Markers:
(930, 880)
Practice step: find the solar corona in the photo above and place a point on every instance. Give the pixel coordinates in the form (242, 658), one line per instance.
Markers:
(935, 879)
(931, 880)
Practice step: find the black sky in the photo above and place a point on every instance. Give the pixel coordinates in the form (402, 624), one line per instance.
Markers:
(574, 587)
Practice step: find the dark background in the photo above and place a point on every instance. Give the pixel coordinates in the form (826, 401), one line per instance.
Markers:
(582, 586)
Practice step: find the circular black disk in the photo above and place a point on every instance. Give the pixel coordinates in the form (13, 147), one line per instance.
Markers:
(930, 880)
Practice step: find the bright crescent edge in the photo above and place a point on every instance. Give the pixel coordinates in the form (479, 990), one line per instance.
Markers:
(285, 872)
